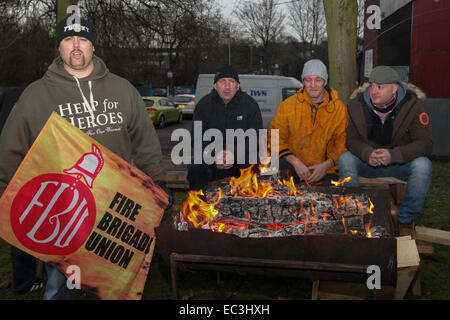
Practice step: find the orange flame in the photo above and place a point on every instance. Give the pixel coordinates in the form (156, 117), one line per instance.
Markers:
(345, 226)
(247, 185)
(291, 185)
(368, 233)
(197, 211)
(341, 181)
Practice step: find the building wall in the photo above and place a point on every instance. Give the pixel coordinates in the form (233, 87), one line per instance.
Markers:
(430, 47)
(394, 42)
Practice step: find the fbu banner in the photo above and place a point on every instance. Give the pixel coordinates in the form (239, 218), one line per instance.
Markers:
(74, 202)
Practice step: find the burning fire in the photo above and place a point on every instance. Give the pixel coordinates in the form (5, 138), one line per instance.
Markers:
(341, 181)
(201, 213)
(369, 234)
(198, 211)
(247, 185)
(293, 190)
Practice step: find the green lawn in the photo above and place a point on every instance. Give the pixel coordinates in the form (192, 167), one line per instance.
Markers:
(434, 270)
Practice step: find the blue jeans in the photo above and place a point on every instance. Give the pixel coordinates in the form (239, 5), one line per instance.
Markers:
(417, 174)
(56, 287)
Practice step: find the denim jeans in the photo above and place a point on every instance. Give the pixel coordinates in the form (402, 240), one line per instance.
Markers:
(417, 174)
(56, 287)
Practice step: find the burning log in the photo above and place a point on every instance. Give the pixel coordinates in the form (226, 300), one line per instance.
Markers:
(251, 206)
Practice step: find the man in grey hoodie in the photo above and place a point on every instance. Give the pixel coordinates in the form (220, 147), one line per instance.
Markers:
(81, 89)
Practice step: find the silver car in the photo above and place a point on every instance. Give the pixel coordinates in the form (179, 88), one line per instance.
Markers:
(185, 102)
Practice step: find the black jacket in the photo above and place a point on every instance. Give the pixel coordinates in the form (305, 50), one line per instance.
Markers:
(242, 112)
(7, 101)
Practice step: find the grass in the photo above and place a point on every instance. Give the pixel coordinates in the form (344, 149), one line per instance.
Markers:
(434, 269)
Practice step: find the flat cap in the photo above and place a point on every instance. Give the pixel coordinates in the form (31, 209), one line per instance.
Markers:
(384, 74)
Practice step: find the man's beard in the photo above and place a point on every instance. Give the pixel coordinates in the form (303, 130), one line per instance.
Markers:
(77, 66)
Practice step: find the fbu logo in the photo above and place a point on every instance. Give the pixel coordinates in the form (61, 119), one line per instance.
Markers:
(55, 213)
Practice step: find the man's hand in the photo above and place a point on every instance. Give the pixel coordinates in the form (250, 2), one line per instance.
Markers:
(162, 185)
(224, 160)
(383, 156)
(380, 157)
(318, 171)
(301, 170)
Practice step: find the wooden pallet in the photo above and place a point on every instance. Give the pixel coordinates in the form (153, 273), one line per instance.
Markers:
(176, 175)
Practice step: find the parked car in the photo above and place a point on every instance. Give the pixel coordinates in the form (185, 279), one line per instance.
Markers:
(162, 111)
(159, 92)
(185, 102)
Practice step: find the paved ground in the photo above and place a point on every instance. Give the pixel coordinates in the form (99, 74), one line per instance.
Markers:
(165, 134)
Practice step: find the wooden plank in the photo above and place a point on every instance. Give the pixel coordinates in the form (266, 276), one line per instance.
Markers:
(315, 290)
(335, 290)
(385, 180)
(179, 186)
(424, 247)
(405, 276)
(176, 176)
(407, 254)
(433, 235)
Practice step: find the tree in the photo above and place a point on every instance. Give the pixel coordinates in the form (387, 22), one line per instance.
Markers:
(341, 16)
(308, 22)
(263, 22)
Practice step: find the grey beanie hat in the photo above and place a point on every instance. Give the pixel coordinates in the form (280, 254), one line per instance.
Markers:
(315, 67)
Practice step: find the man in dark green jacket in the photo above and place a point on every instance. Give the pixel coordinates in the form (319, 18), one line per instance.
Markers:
(389, 135)
(80, 88)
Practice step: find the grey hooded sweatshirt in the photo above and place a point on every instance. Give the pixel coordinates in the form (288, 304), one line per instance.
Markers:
(103, 105)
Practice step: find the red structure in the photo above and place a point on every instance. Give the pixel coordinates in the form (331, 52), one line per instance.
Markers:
(430, 47)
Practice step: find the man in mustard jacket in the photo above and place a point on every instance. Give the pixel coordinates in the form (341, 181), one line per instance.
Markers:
(311, 128)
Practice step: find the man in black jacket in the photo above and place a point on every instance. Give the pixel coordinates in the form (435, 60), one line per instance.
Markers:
(225, 107)
(25, 278)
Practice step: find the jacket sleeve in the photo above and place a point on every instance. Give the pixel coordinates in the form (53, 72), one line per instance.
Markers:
(336, 145)
(15, 141)
(356, 143)
(146, 148)
(421, 137)
(255, 116)
(280, 122)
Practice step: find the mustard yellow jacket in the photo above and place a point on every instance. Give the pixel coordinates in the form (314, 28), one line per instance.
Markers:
(313, 133)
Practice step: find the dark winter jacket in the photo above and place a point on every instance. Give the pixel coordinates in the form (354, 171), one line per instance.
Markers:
(406, 133)
(7, 101)
(242, 112)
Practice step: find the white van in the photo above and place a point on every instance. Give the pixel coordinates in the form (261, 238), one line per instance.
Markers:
(268, 91)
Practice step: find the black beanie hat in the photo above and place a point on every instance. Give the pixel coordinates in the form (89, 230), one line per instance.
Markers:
(226, 72)
(83, 29)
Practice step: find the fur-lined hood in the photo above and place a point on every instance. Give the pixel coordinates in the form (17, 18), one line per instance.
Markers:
(409, 86)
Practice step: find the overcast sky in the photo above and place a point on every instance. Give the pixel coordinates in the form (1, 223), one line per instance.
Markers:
(228, 6)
